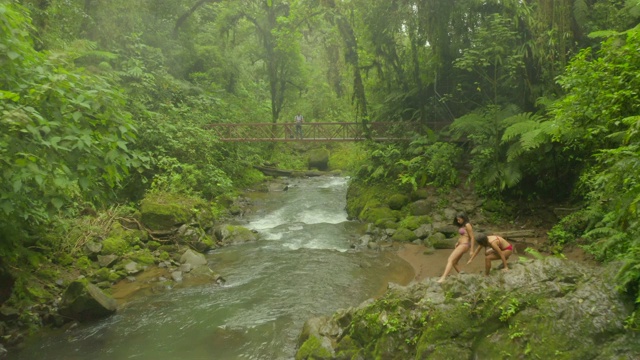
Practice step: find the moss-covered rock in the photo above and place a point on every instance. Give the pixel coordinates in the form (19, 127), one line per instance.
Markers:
(436, 240)
(144, 257)
(420, 207)
(318, 158)
(403, 235)
(164, 211)
(397, 201)
(546, 309)
(84, 301)
(372, 214)
(387, 223)
(413, 222)
(312, 349)
(115, 245)
(360, 196)
(419, 194)
(232, 234)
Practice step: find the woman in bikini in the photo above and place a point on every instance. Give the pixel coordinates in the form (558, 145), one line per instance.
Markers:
(466, 242)
(496, 248)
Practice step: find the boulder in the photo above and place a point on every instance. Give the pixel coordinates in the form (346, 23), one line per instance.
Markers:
(318, 159)
(397, 201)
(540, 309)
(107, 260)
(84, 301)
(233, 234)
(421, 207)
(403, 235)
(164, 211)
(193, 259)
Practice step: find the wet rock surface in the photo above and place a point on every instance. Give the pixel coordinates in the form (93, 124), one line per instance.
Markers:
(549, 308)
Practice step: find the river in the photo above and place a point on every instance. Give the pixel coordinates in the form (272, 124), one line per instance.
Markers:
(301, 267)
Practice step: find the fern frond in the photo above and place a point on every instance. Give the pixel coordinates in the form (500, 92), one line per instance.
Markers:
(508, 111)
(514, 151)
(511, 176)
(468, 124)
(545, 102)
(519, 129)
(532, 139)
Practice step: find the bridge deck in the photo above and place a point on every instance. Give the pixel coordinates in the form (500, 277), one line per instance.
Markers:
(318, 132)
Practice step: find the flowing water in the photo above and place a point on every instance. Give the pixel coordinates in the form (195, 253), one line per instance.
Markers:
(302, 267)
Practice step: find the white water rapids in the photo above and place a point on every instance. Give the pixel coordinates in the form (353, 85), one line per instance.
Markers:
(300, 268)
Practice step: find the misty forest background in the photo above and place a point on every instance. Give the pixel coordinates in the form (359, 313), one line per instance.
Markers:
(103, 102)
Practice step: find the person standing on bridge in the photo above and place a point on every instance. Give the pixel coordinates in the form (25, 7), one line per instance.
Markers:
(299, 119)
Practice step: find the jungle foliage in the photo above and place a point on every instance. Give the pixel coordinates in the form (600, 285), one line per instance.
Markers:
(104, 101)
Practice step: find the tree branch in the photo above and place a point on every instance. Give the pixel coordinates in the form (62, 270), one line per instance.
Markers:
(181, 20)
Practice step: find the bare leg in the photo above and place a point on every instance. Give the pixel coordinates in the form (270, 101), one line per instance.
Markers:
(453, 261)
(493, 256)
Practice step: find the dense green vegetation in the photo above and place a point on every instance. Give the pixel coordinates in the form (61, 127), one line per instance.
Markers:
(105, 102)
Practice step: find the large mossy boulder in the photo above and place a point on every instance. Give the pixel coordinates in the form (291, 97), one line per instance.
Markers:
(233, 234)
(397, 201)
(377, 212)
(413, 222)
(165, 211)
(84, 301)
(360, 196)
(421, 207)
(318, 159)
(403, 235)
(542, 309)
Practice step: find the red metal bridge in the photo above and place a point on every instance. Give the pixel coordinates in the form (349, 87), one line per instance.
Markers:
(320, 131)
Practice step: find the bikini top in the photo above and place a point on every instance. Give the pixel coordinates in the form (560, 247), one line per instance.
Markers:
(462, 231)
(499, 240)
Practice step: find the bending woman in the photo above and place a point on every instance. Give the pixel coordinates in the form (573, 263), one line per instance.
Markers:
(466, 242)
(496, 248)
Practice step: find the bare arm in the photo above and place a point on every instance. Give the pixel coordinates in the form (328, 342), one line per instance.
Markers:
(473, 255)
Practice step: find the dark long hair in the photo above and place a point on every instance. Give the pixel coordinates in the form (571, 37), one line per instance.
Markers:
(482, 239)
(463, 216)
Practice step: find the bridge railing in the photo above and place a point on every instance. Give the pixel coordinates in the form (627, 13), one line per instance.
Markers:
(312, 131)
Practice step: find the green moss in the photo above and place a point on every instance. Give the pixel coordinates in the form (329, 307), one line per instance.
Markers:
(162, 211)
(63, 259)
(360, 196)
(397, 201)
(83, 263)
(346, 157)
(164, 256)
(348, 349)
(153, 245)
(143, 257)
(420, 194)
(373, 214)
(413, 222)
(386, 223)
(115, 245)
(208, 242)
(312, 349)
(115, 276)
(403, 235)
(102, 274)
(38, 293)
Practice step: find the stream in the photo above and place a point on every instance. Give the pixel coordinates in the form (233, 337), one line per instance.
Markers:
(301, 267)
